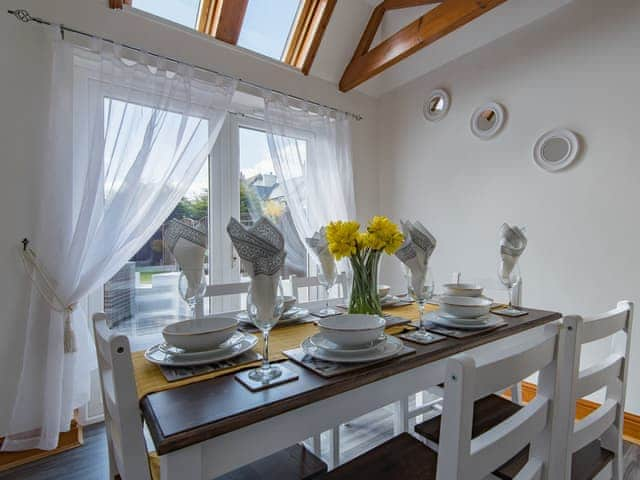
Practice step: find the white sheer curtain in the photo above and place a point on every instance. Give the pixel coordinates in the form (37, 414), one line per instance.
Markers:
(128, 134)
(310, 147)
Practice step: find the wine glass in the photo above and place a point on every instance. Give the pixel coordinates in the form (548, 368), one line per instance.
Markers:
(421, 286)
(192, 285)
(264, 310)
(327, 278)
(509, 278)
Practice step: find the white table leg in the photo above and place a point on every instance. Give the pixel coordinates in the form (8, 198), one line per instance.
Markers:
(334, 447)
(401, 416)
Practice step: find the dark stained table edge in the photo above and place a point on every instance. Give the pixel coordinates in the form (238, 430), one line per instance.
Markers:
(165, 444)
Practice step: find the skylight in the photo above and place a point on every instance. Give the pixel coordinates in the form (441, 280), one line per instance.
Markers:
(184, 12)
(266, 28)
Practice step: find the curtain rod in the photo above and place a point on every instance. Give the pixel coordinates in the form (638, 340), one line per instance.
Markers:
(25, 16)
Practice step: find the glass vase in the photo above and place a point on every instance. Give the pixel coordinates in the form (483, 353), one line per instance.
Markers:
(364, 291)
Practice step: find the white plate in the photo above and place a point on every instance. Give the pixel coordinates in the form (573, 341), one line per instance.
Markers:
(237, 337)
(462, 289)
(156, 354)
(320, 341)
(385, 350)
(465, 321)
(434, 317)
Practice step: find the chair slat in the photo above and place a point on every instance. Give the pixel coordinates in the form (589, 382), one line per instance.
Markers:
(531, 471)
(600, 375)
(604, 326)
(218, 290)
(500, 444)
(594, 425)
(498, 375)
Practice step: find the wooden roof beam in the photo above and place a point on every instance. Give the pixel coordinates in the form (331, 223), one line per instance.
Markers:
(222, 19)
(433, 25)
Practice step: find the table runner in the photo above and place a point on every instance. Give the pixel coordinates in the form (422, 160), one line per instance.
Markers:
(149, 378)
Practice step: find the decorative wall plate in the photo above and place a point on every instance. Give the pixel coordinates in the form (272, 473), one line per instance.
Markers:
(556, 149)
(487, 120)
(436, 106)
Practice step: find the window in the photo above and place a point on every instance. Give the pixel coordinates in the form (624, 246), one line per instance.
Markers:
(266, 29)
(262, 194)
(184, 12)
(286, 30)
(238, 180)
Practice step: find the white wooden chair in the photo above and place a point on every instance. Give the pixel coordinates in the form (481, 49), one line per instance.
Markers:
(128, 457)
(311, 289)
(122, 418)
(603, 426)
(223, 290)
(468, 457)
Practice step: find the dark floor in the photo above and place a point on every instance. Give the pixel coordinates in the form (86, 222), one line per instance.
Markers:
(89, 462)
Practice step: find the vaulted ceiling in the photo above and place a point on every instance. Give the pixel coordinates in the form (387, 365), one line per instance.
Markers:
(350, 19)
(375, 46)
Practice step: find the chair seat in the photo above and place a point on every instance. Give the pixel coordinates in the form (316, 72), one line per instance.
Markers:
(293, 463)
(487, 413)
(492, 410)
(402, 458)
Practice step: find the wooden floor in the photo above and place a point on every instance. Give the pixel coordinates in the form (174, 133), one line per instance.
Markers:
(89, 462)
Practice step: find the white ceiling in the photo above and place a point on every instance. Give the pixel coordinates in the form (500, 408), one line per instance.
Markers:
(350, 18)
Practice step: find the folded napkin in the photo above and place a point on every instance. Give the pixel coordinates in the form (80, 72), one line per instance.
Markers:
(261, 249)
(188, 246)
(319, 246)
(512, 243)
(416, 250)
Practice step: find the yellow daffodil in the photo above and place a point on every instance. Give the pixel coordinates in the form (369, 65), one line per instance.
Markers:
(342, 238)
(384, 235)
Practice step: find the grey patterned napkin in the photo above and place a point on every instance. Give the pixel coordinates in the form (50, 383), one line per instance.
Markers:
(416, 250)
(320, 247)
(261, 246)
(512, 244)
(188, 246)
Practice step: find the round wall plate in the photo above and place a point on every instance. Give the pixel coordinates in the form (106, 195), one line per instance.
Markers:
(487, 120)
(556, 149)
(436, 106)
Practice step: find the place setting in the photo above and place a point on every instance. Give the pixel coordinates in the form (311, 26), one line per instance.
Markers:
(202, 345)
(347, 342)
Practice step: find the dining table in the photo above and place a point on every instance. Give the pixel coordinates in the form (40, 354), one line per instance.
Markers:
(205, 426)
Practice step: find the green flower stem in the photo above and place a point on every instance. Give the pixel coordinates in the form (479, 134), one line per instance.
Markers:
(364, 294)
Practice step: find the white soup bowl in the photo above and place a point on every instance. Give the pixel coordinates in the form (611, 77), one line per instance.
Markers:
(465, 307)
(199, 334)
(352, 330)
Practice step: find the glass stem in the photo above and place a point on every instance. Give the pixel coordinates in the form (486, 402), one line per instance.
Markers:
(326, 293)
(421, 316)
(510, 298)
(265, 350)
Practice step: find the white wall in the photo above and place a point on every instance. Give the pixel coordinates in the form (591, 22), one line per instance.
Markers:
(23, 85)
(577, 68)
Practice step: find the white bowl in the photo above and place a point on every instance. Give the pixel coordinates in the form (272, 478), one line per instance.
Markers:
(462, 289)
(465, 307)
(203, 333)
(289, 301)
(352, 330)
(383, 290)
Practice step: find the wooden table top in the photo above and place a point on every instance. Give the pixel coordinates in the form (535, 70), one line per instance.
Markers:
(197, 412)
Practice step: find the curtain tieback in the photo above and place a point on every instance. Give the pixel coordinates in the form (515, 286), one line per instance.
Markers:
(46, 289)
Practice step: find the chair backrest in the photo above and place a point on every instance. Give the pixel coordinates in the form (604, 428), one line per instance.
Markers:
(606, 422)
(471, 378)
(122, 417)
(313, 288)
(234, 290)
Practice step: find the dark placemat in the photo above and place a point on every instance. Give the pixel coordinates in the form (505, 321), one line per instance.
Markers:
(394, 320)
(173, 374)
(422, 340)
(331, 369)
(455, 333)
